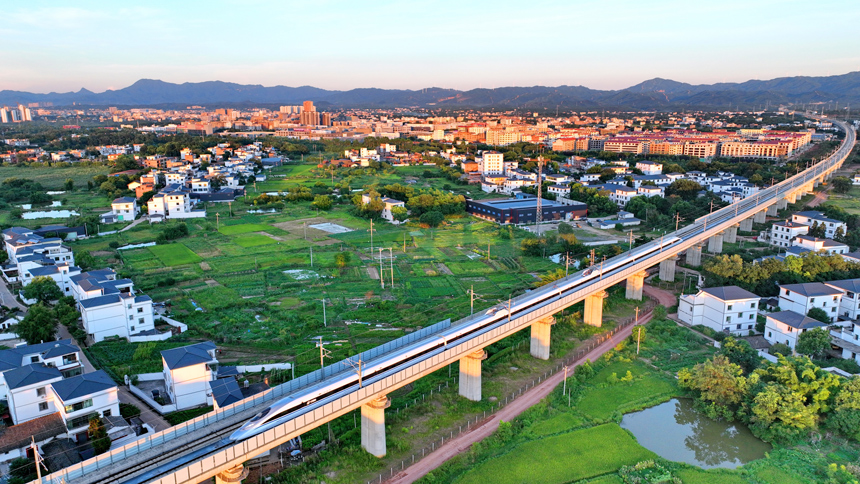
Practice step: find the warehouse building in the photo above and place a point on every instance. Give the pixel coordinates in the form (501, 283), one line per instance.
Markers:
(522, 211)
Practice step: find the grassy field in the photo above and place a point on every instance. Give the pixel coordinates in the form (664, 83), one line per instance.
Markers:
(563, 458)
(174, 254)
(243, 228)
(253, 240)
(53, 177)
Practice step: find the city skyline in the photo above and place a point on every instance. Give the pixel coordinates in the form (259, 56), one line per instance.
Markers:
(340, 46)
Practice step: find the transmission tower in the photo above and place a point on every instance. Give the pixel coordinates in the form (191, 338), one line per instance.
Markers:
(539, 214)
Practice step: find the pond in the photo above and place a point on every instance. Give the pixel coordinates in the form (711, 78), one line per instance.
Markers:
(676, 431)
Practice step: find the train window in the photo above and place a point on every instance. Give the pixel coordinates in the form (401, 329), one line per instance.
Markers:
(261, 414)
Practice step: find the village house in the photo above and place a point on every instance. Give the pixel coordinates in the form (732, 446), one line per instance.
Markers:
(801, 298)
(730, 309)
(786, 326)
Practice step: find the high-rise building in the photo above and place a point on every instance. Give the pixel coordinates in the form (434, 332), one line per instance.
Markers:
(325, 119)
(4, 115)
(308, 106)
(309, 116)
(16, 115)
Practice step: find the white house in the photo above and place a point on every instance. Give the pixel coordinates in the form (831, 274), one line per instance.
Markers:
(649, 167)
(99, 282)
(199, 185)
(649, 191)
(848, 340)
(492, 163)
(119, 314)
(620, 194)
(187, 372)
(125, 209)
(783, 233)
(28, 393)
(785, 327)
(389, 204)
(81, 397)
(849, 306)
(801, 298)
(812, 218)
(559, 190)
(60, 273)
(815, 244)
(62, 355)
(730, 309)
(172, 202)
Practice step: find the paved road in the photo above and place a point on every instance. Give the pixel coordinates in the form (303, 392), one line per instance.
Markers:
(8, 299)
(464, 441)
(135, 223)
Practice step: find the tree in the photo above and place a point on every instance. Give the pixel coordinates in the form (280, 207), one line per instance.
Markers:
(845, 416)
(780, 349)
(85, 260)
(432, 219)
(39, 325)
(818, 230)
(399, 213)
(719, 384)
(125, 162)
(686, 189)
(342, 259)
(841, 184)
(42, 289)
(814, 343)
(740, 353)
(69, 185)
(819, 314)
(98, 435)
(21, 471)
(322, 202)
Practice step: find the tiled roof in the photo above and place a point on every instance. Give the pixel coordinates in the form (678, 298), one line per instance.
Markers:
(729, 293)
(796, 320)
(82, 385)
(30, 375)
(188, 355)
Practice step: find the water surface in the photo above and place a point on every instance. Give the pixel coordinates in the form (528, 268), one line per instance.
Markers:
(676, 431)
(49, 214)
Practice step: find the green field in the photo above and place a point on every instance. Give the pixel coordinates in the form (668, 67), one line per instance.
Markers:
(563, 458)
(253, 240)
(243, 228)
(174, 254)
(602, 402)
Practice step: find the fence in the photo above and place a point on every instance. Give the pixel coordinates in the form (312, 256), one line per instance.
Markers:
(478, 420)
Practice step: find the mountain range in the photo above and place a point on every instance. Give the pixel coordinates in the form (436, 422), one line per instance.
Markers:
(652, 95)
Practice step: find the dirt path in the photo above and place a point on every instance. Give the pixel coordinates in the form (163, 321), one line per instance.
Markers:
(484, 429)
(819, 198)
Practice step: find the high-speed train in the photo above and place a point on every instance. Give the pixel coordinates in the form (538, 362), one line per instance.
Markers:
(281, 410)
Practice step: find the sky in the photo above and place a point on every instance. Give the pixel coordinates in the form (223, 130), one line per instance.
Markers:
(62, 46)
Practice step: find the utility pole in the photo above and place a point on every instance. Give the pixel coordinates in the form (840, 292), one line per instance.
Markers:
(601, 267)
(217, 221)
(305, 226)
(472, 300)
(312, 257)
(564, 384)
(566, 264)
(488, 251)
(323, 352)
(592, 258)
(639, 336)
(325, 322)
(371, 238)
(539, 211)
(391, 264)
(631, 240)
(381, 270)
(37, 458)
(404, 242)
(677, 220)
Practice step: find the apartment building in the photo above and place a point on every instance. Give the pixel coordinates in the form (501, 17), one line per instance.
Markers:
(786, 326)
(730, 309)
(492, 163)
(649, 167)
(187, 372)
(782, 234)
(116, 315)
(801, 298)
(849, 305)
(811, 218)
(173, 202)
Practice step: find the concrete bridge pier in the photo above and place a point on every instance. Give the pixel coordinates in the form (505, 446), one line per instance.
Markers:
(470, 374)
(816, 184)
(746, 225)
(541, 330)
(771, 211)
(782, 204)
(373, 425)
(760, 217)
(791, 197)
(594, 308)
(730, 235)
(634, 285)
(715, 244)
(694, 255)
(667, 269)
(232, 475)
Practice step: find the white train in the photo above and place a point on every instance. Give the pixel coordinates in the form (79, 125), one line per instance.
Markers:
(281, 410)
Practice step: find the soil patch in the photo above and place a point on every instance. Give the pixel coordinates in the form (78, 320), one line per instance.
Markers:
(443, 269)
(205, 266)
(373, 272)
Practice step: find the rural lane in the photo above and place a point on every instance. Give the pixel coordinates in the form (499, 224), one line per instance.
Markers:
(464, 441)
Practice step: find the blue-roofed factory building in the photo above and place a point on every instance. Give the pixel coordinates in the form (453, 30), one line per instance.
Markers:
(522, 211)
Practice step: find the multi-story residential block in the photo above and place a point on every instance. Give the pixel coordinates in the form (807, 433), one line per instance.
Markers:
(173, 202)
(812, 218)
(814, 244)
(786, 326)
(82, 397)
(123, 209)
(187, 372)
(559, 190)
(100, 282)
(849, 305)
(730, 309)
(801, 298)
(782, 234)
(492, 163)
(649, 167)
(120, 314)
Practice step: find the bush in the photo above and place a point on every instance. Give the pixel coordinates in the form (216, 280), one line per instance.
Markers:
(780, 349)
(127, 410)
(113, 244)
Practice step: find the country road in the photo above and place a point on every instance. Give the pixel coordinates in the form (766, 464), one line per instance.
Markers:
(464, 441)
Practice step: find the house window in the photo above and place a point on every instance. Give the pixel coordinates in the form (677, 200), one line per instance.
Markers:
(769, 334)
(131, 328)
(40, 392)
(730, 307)
(131, 318)
(106, 413)
(749, 326)
(752, 305)
(43, 406)
(739, 326)
(140, 321)
(751, 316)
(728, 319)
(812, 299)
(34, 359)
(79, 406)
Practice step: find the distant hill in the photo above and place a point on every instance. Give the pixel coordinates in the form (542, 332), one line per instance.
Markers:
(653, 94)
